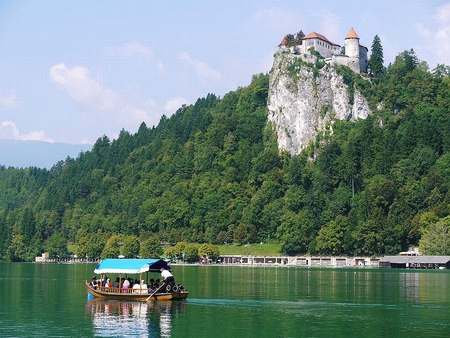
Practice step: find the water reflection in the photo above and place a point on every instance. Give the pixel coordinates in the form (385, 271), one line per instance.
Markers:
(112, 318)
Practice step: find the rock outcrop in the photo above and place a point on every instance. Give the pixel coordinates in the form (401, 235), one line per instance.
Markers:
(304, 100)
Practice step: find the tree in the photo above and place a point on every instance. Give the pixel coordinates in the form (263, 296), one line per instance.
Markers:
(191, 252)
(113, 246)
(56, 246)
(240, 234)
(90, 245)
(330, 240)
(131, 247)
(209, 251)
(375, 64)
(436, 240)
(299, 36)
(441, 71)
(96, 245)
(290, 40)
(151, 247)
(406, 61)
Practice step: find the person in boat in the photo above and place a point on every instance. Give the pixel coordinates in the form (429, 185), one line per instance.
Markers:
(126, 284)
(151, 285)
(140, 287)
(166, 279)
(94, 282)
(103, 280)
(144, 287)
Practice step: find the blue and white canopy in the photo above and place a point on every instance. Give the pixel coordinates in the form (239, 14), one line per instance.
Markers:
(130, 266)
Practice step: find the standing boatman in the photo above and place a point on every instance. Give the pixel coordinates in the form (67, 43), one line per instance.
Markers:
(167, 278)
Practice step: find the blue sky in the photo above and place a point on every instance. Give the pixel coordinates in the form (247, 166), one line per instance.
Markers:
(73, 71)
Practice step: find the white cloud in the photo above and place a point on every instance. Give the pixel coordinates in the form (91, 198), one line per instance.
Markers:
(132, 115)
(136, 50)
(443, 14)
(80, 85)
(10, 101)
(437, 40)
(150, 105)
(9, 130)
(174, 103)
(203, 71)
(442, 47)
(276, 19)
(132, 49)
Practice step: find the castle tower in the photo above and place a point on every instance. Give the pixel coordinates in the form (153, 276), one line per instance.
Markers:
(352, 50)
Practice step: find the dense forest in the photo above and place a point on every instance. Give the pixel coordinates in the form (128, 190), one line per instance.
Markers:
(212, 174)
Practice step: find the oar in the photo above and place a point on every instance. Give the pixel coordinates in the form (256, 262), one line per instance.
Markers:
(157, 289)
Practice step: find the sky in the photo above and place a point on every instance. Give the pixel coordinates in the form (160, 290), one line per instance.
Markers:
(74, 71)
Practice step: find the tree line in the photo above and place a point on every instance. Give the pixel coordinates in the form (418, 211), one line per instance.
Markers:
(212, 174)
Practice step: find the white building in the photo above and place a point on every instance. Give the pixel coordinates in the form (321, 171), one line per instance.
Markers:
(355, 55)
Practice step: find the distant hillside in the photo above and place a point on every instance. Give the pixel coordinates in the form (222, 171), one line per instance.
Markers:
(23, 154)
(213, 173)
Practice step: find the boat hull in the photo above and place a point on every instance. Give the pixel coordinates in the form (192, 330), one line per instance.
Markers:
(131, 294)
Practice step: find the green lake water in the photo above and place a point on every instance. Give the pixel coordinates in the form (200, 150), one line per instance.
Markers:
(49, 300)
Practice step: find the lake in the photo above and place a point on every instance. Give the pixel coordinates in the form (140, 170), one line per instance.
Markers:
(49, 300)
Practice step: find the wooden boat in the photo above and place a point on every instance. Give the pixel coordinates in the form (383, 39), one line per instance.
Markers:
(125, 267)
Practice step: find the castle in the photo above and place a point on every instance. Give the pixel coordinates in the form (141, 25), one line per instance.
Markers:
(355, 55)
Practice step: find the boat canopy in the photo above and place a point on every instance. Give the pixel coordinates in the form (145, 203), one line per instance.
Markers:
(130, 266)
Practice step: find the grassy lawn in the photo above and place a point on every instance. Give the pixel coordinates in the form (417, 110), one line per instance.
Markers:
(250, 249)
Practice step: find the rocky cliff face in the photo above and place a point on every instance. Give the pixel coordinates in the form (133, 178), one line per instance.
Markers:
(304, 101)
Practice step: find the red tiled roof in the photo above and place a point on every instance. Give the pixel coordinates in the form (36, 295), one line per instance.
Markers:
(352, 34)
(283, 42)
(315, 35)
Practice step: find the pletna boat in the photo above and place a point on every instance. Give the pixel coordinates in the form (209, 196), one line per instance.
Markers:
(125, 267)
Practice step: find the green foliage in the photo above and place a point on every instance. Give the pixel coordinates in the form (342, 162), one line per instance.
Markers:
(56, 246)
(316, 53)
(241, 234)
(331, 238)
(436, 239)
(212, 174)
(175, 252)
(90, 245)
(375, 63)
(191, 253)
(348, 76)
(113, 246)
(209, 251)
(131, 247)
(151, 248)
(294, 40)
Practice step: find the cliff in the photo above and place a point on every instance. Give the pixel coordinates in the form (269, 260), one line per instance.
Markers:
(305, 100)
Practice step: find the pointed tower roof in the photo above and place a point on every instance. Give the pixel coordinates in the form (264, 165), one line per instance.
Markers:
(352, 34)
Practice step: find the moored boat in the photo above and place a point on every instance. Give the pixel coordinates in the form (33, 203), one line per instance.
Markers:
(125, 267)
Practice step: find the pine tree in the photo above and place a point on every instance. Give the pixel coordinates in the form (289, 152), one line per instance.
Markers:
(376, 67)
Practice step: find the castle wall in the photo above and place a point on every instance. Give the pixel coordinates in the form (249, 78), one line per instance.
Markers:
(339, 60)
(324, 48)
(363, 59)
(354, 64)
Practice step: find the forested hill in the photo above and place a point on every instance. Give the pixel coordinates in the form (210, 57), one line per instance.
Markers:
(212, 173)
